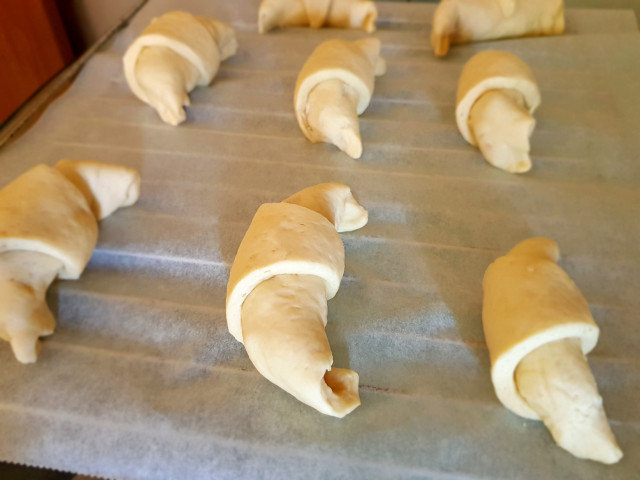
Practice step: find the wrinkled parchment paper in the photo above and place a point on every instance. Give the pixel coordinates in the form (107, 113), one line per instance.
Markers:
(142, 380)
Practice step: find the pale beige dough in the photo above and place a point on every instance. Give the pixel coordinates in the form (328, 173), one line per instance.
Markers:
(334, 87)
(332, 111)
(106, 187)
(501, 126)
(317, 13)
(42, 211)
(166, 79)
(175, 53)
(534, 318)
(463, 21)
(556, 381)
(334, 202)
(48, 229)
(25, 277)
(497, 95)
(283, 321)
(283, 239)
(288, 265)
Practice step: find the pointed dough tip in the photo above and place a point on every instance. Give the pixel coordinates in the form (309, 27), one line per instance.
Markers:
(349, 142)
(440, 44)
(264, 23)
(381, 67)
(521, 165)
(25, 347)
(602, 447)
(172, 117)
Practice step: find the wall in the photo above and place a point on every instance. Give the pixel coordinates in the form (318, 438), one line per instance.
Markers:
(87, 20)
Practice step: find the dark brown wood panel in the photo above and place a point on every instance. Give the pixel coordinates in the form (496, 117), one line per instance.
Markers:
(33, 48)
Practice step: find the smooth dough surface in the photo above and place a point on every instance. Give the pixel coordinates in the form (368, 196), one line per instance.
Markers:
(289, 264)
(106, 187)
(556, 381)
(501, 126)
(354, 64)
(42, 211)
(283, 238)
(332, 113)
(529, 301)
(317, 13)
(462, 21)
(24, 314)
(200, 41)
(48, 229)
(166, 78)
(493, 70)
(283, 326)
(335, 202)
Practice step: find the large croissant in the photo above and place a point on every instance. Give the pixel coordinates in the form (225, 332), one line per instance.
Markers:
(317, 13)
(290, 262)
(538, 328)
(176, 52)
(48, 229)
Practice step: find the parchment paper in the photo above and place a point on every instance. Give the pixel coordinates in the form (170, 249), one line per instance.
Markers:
(142, 380)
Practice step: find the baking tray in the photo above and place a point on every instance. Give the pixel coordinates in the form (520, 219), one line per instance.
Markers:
(142, 380)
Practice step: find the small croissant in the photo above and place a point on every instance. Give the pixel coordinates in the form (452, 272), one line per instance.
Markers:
(174, 54)
(464, 21)
(334, 87)
(317, 13)
(497, 95)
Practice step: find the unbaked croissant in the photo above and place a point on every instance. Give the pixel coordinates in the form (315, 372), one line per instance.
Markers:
(290, 262)
(334, 87)
(48, 229)
(497, 95)
(463, 21)
(317, 13)
(538, 328)
(175, 53)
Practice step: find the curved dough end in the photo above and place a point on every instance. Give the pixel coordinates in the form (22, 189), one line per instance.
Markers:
(335, 202)
(106, 187)
(493, 70)
(283, 326)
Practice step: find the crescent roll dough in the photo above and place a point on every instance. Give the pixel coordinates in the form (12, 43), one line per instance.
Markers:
(290, 262)
(463, 21)
(176, 52)
(497, 95)
(538, 327)
(106, 187)
(317, 13)
(48, 229)
(334, 87)
(334, 202)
